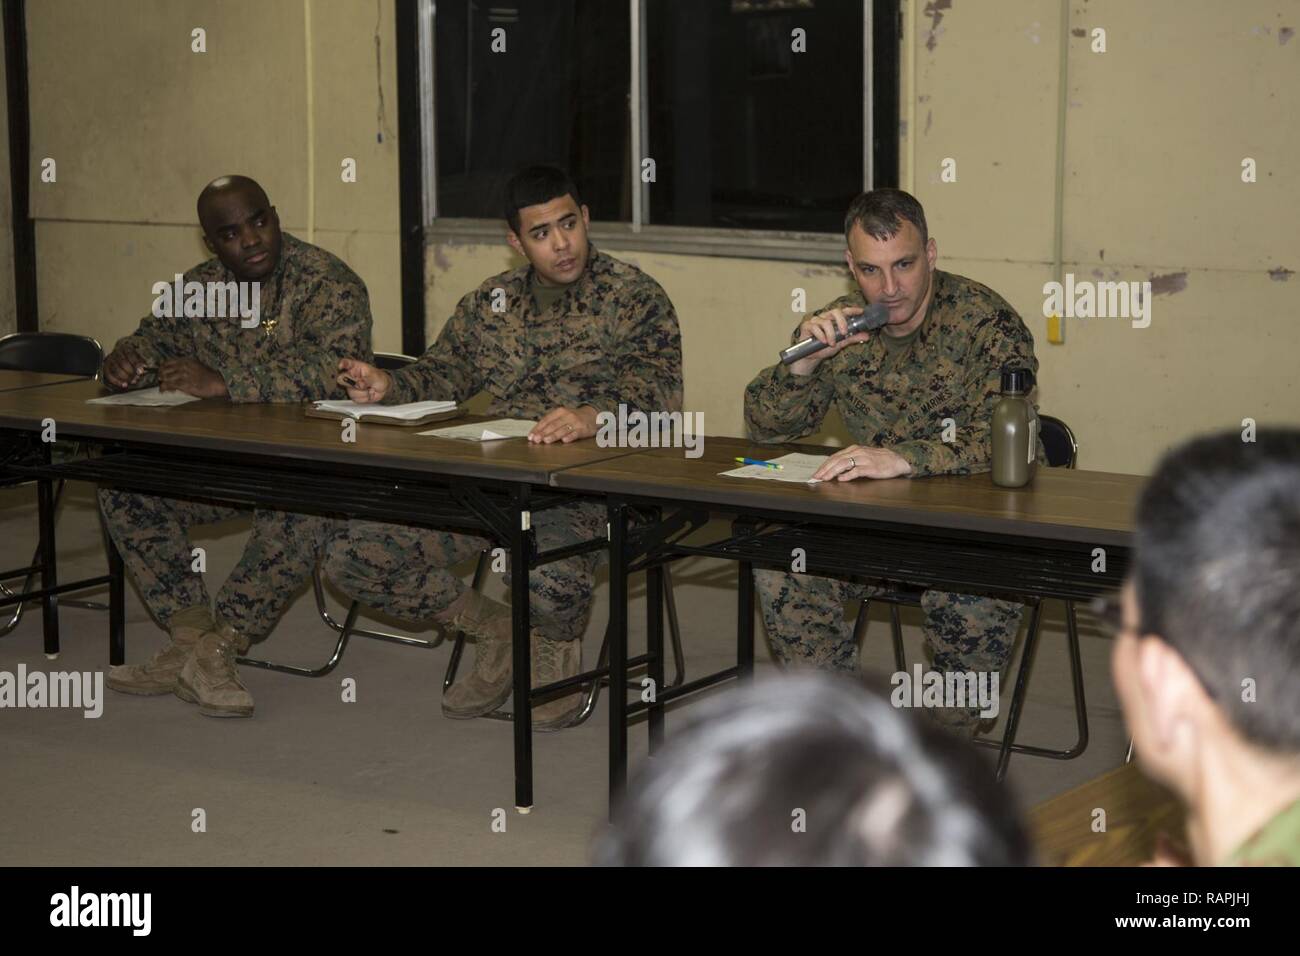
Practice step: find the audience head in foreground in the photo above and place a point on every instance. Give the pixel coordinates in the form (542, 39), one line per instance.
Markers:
(1207, 660)
(813, 770)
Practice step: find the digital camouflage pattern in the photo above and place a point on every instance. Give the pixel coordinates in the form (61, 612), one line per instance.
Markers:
(611, 337)
(404, 570)
(153, 535)
(898, 399)
(314, 311)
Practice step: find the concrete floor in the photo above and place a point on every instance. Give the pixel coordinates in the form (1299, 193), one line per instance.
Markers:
(385, 780)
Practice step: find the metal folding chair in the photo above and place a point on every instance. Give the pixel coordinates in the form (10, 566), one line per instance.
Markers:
(389, 362)
(60, 353)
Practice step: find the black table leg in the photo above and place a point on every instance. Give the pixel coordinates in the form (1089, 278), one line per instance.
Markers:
(617, 649)
(1018, 696)
(745, 621)
(116, 603)
(654, 623)
(49, 563)
(521, 537)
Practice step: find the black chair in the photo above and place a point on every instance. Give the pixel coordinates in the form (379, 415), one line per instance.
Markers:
(1062, 452)
(58, 353)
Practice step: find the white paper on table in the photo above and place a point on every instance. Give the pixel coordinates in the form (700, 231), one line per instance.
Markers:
(494, 430)
(402, 413)
(795, 467)
(144, 396)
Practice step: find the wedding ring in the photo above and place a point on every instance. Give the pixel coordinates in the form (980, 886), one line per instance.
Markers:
(852, 464)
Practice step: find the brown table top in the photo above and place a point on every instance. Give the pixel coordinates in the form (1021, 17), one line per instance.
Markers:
(284, 431)
(13, 379)
(1137, 810)
(1062, 504)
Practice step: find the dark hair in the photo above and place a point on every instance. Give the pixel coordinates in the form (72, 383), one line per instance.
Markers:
(534, 186)
(876, 787)
(1217, 573)
(881, 213)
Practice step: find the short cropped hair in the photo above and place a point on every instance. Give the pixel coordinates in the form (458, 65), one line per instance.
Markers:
(532, 187)
(813, 769)
(881, 213)
(1217, 574)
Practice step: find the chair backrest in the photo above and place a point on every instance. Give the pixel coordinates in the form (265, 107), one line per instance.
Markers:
(1058, 442)
(392, 361)
(60, 353)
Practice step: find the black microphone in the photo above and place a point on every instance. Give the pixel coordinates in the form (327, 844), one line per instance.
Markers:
(873, 318)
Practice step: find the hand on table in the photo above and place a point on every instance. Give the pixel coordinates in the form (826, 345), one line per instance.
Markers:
(858, 461)
(564, 425)
(191, 377)
(123, 367)
(365, 383)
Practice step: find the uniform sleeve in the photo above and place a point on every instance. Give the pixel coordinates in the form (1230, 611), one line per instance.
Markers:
(1001, 341)
(647, 353)
(158, 339)
(333, 323)
(781, 406)
(447, 370)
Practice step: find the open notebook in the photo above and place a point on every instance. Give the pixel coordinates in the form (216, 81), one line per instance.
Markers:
(412, 413)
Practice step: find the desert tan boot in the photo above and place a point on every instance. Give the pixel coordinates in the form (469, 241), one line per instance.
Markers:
(158, 674)
(487, 685)
(210, 678)
(552, 661)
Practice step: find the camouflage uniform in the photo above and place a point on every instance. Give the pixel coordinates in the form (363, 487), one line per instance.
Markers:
(898, 399)
(314, 310)
(611, 337)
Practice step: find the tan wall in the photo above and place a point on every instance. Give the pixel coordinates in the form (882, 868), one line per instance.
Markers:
(138, 123)
(8, 315)
(1156, 130)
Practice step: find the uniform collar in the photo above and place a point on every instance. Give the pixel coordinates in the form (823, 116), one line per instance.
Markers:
(597, 264)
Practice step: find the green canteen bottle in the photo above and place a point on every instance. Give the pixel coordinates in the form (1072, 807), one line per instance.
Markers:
(1015, 431)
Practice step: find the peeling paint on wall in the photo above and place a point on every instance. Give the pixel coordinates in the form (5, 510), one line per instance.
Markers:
(934, 10)
(1284, 34)
(1169, 283)
(1280, 274)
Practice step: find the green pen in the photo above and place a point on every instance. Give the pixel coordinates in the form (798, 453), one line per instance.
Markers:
(761, 464)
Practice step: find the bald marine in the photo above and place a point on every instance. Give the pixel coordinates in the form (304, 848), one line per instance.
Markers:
(240, 226)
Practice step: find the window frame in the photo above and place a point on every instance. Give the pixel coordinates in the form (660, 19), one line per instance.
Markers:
(638, 235)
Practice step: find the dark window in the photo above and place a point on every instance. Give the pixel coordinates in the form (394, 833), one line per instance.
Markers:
(745, 133)
(558, 95)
